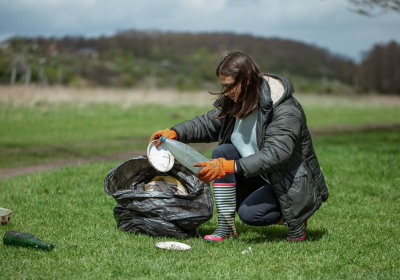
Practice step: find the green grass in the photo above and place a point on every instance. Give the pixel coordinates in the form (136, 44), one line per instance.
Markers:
(354, 235)
(318, 116)
(46, 132)
(59, 131)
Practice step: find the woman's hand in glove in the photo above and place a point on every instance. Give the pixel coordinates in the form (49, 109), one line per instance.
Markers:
(214, 169)
(168, 133)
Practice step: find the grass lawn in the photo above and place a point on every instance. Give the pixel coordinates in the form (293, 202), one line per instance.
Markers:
(355, 234)
(42, 131)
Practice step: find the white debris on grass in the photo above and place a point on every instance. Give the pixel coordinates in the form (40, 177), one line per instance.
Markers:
(246, 251)
(172, 245)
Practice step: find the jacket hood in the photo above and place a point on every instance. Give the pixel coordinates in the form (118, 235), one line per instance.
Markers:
(266, 100)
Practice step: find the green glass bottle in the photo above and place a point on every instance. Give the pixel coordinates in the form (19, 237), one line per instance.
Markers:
(22, 239)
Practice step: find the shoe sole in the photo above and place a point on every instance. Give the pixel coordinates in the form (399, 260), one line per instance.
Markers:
(301, 238)
(211, 238)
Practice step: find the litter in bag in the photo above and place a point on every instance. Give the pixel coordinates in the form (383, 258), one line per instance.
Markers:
(174, 203)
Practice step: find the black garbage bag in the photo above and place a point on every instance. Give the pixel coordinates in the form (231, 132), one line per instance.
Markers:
(157, 213)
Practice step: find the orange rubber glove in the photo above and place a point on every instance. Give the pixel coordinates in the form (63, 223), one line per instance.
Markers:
(168, 133)
(214, 169)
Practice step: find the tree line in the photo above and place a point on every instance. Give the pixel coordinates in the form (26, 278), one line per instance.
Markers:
(134, 58)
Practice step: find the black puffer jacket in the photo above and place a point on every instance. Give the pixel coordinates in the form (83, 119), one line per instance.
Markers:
(286, 150)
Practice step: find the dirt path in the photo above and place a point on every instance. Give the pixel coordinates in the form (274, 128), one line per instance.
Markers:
(316, 132)
(21, 170)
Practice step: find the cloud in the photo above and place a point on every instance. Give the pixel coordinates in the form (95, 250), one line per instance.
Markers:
(328, 24)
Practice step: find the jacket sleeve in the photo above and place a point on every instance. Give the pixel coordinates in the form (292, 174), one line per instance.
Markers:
(200, 129)
(279, 141)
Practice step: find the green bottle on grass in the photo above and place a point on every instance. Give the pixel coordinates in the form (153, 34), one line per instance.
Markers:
(22, 239)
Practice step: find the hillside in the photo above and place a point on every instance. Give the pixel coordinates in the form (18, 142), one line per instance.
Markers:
(163, 59)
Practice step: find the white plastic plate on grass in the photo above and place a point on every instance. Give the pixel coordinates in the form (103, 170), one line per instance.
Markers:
(172, 245)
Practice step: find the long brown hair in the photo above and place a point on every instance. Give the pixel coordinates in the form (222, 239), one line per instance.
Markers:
(246, 73)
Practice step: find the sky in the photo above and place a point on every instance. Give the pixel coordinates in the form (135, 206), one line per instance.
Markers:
(327, 24)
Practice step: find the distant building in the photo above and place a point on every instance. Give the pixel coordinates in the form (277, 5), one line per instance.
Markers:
(88, 52)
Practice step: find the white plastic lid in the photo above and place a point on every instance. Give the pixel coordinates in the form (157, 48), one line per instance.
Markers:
(172, 245)
(159, 157)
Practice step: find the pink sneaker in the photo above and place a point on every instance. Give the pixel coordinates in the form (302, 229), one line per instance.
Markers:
(212, 238)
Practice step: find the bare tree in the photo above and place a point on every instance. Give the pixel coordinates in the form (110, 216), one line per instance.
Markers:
(380, 69)
(374, 7)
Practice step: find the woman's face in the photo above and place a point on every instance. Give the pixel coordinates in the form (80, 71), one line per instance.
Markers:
(226, 82)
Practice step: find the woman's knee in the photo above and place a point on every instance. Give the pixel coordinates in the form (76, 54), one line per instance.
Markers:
(226, 151)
